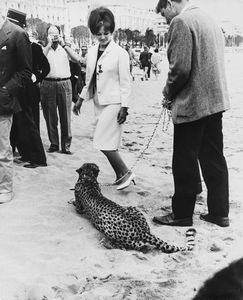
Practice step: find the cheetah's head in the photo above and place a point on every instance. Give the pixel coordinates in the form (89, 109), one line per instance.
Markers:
(88, 169)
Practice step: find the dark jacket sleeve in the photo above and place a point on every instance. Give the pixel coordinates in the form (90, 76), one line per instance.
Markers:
(179, 56)
(24, 64)
(41, 67)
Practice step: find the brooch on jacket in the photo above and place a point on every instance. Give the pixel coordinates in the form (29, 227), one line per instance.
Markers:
(99, 71)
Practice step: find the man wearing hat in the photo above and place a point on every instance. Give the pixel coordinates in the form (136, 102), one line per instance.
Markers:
(15, 71)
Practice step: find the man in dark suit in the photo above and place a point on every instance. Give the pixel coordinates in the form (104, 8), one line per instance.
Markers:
(40, 68)
(25, 133)
(15, 71)
(196, 91)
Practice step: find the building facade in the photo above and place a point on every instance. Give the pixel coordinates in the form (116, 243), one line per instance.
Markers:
(133, 18)
(78, 11)
(50, 11)
(127, 16)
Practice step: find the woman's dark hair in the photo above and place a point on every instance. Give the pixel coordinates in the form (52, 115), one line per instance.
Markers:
(99, 17)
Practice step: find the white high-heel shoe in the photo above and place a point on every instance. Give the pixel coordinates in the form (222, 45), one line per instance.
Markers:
(126, 183)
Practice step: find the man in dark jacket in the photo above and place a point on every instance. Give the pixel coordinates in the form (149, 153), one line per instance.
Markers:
(15, 71)
(25, 130)
(144, 59)
(40, 68)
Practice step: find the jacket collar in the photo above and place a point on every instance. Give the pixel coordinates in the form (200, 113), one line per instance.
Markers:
(111, 45)
(188, 7)
(4, 32)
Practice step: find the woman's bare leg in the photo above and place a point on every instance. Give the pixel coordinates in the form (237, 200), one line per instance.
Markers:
(116, 162)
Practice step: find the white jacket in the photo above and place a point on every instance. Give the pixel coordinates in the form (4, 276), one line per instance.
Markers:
(113, 75)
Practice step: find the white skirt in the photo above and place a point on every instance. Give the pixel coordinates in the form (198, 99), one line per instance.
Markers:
(108, 132)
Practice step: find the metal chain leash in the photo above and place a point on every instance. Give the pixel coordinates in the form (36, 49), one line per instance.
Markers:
(165, 114)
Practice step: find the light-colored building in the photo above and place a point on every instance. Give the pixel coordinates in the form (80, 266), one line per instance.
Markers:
(50, 11)
(129, 17)
(78, 11)
(159, 25)
(132, 18)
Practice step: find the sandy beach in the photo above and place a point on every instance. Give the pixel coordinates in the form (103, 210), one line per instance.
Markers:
(48, 251)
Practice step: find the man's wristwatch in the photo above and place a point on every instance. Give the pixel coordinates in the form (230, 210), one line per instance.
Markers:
(66, 44)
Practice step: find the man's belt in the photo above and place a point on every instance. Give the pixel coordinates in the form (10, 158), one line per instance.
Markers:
(57, 79)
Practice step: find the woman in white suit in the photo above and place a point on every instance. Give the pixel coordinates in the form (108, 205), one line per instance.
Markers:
(108, 83)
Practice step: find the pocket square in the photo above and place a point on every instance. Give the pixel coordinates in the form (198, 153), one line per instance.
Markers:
(3, 48)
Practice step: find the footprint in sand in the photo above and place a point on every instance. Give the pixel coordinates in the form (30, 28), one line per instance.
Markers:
(130, 144)
(144, 193)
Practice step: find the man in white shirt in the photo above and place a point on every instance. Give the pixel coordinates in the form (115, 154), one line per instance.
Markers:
(56, 90)
(83, 61)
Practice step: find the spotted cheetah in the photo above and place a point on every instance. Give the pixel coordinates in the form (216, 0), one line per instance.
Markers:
(125, 227)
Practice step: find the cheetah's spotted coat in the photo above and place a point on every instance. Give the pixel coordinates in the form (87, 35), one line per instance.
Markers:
(126, 227)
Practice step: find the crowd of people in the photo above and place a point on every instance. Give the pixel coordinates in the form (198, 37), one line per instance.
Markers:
(61, 79)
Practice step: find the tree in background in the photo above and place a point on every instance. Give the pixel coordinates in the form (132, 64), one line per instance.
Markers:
(137, 38)
(120, 36)
(129, 34)
(32, 23)
(39, 26)
(149, 37)
(80, 35)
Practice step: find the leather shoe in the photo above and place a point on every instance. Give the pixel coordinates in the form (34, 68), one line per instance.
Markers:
(52, 149)
(171, 221)
(220, 221)
(66, 152)
(33, 165)
(20, 160)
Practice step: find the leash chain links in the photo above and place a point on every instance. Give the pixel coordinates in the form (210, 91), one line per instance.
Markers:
(165, 114)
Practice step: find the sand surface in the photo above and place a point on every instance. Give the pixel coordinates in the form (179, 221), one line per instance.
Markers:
(48, 251)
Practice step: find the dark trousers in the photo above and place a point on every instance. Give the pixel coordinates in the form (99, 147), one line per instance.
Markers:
(25, 134)
(201, 141)
(57, 95)
(149, 70)
(36, 106)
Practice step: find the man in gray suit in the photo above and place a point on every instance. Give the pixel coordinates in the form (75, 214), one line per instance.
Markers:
(15, 72)
(197, 92)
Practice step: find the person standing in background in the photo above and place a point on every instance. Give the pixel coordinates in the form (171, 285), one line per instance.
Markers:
(156, 62)
(83, 62)
(132, 58)
(144, 59)
(25, 133)
(15, 72)
(56, 90)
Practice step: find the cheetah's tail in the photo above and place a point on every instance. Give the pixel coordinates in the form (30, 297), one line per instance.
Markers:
(167, 248)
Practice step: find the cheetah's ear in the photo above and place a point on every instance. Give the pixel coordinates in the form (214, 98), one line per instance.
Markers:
(79, 171)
